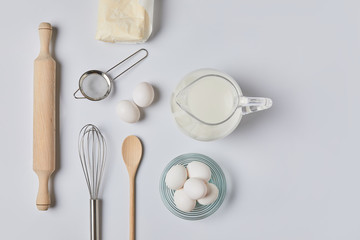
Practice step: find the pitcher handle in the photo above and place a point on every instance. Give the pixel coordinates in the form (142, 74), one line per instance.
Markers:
(253, 104)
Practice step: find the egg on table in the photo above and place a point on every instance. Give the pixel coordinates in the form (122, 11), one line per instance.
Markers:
(128, 111)
(176, 177)
(143, 94)
(199, 170)
(211, 195)
(183, 202)
(195, 188)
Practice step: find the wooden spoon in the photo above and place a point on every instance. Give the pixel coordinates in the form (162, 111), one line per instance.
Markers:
(132, 153)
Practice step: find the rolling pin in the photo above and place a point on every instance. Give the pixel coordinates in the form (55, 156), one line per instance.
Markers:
(44, 119)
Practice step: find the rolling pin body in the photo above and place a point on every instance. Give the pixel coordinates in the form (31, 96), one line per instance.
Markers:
(44, 118)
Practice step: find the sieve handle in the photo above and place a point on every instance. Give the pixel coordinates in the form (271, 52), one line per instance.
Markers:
(128, 58)
(44, 118)
(77, 96)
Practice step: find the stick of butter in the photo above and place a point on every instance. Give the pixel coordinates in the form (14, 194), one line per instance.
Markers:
(127, 21)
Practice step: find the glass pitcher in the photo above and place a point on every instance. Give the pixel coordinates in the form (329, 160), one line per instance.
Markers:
(208, 104)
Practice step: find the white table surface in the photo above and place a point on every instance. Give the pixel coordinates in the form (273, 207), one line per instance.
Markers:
(292, 171)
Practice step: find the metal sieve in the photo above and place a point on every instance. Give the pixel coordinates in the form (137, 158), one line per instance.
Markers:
(96, 85)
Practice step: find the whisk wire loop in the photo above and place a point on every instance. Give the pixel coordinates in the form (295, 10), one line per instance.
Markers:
(92, 153)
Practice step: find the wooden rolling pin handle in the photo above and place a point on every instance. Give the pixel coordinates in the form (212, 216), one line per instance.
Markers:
(43, 198)
(45, 32)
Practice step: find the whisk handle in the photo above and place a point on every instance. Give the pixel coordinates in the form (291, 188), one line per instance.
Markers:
(94, 219)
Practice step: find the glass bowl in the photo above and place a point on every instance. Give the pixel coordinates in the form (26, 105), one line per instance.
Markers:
(200, 211)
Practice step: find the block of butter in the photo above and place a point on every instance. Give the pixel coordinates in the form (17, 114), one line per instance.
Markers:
(127, 21)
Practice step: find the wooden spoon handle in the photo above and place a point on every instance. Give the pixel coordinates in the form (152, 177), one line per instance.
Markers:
(132, 209)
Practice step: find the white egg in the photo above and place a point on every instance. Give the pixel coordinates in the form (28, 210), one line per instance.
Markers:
(195, 188)
(183, 202)
(199, 170)
(211, 196)
(143, 94)
(176, 177)
(128, 111)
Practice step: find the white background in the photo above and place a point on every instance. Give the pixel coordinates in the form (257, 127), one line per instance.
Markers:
(292, 171)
